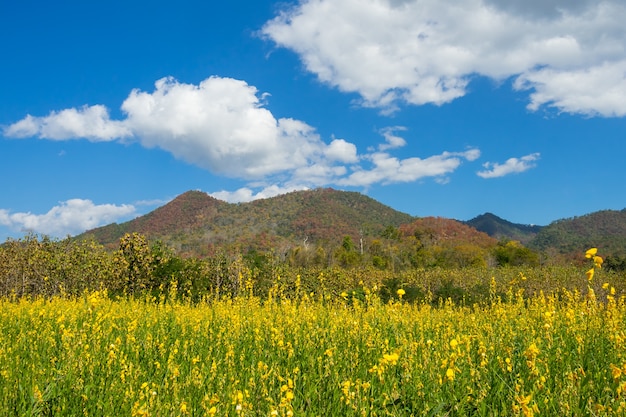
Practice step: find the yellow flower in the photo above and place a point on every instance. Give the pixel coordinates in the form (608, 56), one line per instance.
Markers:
(590, 274)
(450, 374)
(616, 372)
(391, 358)
(532, 351)
(591, 253)
(597, 261)
(400, 292)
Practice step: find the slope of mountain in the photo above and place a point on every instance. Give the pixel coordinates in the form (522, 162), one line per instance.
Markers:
(195, 223)
(500, 229)
(447, 232)
(605, 230)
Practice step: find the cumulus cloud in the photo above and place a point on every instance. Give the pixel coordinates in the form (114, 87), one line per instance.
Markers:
(222, 125)
(68, 218)
(387, 169)
(341, 151)
(511, 166)
(245, 194)
(219, 125)
(393, 52)
(89, 122)
(600, 90)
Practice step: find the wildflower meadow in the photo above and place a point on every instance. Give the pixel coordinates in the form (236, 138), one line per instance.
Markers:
(559, 352)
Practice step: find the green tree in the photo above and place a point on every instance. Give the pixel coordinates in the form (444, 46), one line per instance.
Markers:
(346, 254)
(515, 254)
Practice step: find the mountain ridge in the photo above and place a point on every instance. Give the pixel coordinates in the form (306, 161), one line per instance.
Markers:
(196, 224)
(502, 229)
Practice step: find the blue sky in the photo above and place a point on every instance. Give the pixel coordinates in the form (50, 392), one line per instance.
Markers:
(433, 107)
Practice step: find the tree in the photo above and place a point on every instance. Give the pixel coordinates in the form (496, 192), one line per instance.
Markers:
(515, 254)
(135, 263)
(346, 255)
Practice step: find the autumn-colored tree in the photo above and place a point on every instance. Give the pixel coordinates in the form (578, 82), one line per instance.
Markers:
(135, 263)
(41, 266)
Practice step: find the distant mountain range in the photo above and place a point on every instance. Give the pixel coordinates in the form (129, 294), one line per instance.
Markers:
(197, 224)
(502, 229)
(604, 229)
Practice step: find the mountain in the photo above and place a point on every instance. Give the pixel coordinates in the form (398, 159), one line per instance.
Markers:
(501, 229)
(447, 232)
(605, 230)
(195, 223)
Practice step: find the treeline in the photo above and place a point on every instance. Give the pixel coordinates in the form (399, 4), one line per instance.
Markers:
(425, 243)
(40, 266)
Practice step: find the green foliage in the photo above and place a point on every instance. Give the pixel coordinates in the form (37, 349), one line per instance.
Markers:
(390, 287)
(346, 254)
(604, 229)
(512, 253)
(391, 233)
(135, 264)
(43, 266)
(615, 263)
(33, 267)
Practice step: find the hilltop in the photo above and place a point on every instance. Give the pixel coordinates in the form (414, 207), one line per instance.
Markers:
(604, 229)
(501, 229)
(195, 223)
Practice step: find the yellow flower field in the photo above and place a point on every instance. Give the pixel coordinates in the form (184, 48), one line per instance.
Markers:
(559, 354)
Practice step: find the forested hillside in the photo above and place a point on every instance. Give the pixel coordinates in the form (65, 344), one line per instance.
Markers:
(312, 227)
(197, 224)
(603, 229)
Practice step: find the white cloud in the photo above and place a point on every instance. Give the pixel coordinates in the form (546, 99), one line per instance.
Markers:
(341, 151)
(393, 141)
(388, 169)
(408, 51)
(600, 90)
(152, 203)
(246, 194)
(68, 218)
(219, 125)
(222, 125)
(511, 166)
(89, 122)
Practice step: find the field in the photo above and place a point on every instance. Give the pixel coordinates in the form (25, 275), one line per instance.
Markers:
(316, 354)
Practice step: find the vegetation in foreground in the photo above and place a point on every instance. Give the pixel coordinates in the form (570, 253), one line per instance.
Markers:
(297, 352)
